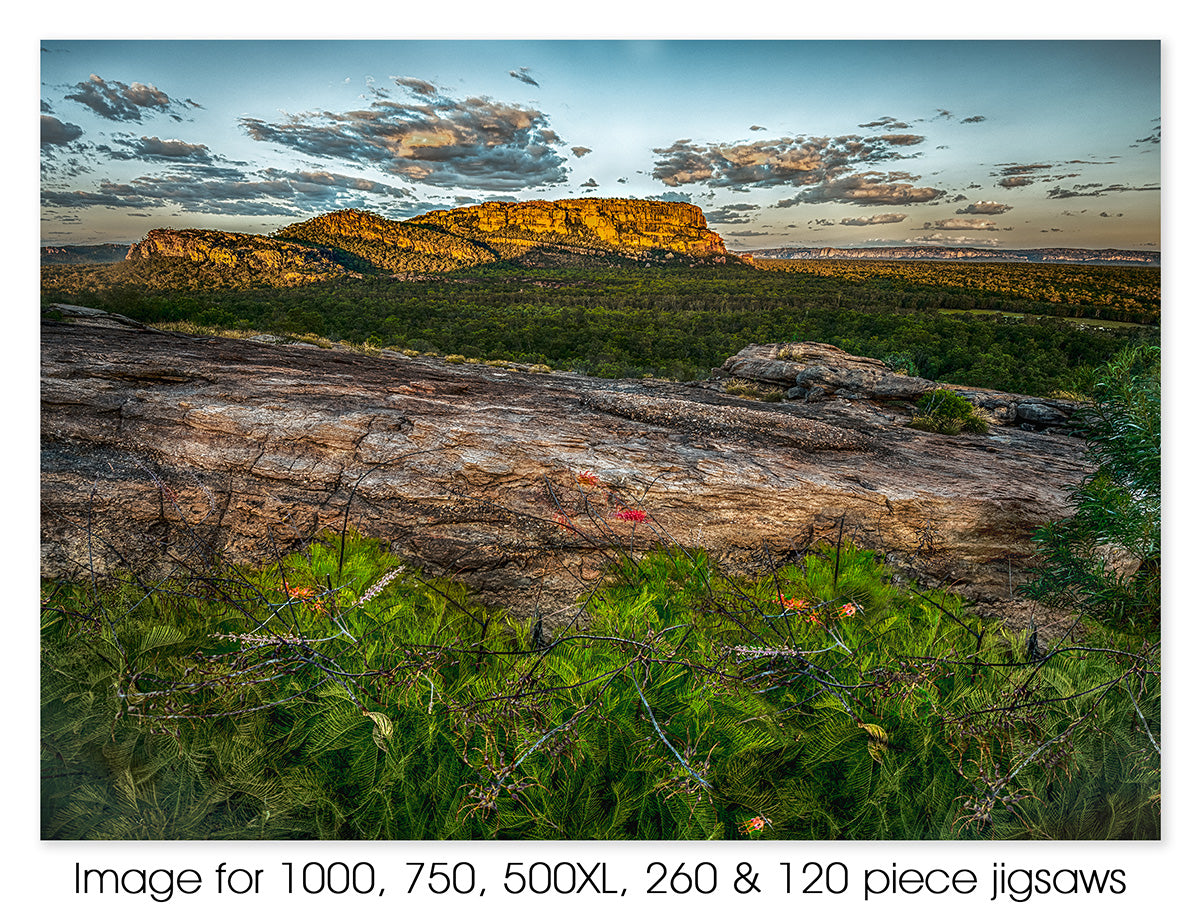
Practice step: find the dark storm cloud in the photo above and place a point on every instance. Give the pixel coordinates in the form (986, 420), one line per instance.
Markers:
(590, 183)
(984, 207)
(876, 220)
(117, 101)
(799, 161)
(731, 214)
(59, 133)
(473, 143)
(867, 189)
(523, 75)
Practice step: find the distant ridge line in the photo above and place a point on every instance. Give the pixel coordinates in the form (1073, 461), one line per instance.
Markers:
(939, 253)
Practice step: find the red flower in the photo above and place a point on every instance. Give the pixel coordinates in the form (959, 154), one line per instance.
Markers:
(587, 478)
(630, 515)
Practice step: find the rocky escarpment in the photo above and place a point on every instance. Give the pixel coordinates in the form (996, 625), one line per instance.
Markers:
(534, 232)
(621, 225)
(266, 257)
(159, 444)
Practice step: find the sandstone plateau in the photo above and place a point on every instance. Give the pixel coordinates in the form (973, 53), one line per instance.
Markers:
(531, 233)
(159, 445)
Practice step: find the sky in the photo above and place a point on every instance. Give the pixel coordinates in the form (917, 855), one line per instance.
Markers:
(1008, 144)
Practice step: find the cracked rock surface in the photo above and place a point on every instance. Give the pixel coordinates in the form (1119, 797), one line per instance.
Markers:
(161, 444)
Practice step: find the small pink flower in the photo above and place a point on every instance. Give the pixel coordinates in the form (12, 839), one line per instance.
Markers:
(795, 604)
(848, 609)
(630, 515)
(755, 824)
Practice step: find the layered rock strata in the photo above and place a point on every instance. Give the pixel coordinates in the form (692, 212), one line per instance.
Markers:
(159, 445)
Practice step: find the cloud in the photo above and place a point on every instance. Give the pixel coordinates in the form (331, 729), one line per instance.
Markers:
(1095, 190)
(117, 101)
(902, 139)
(155, 150)
(757, 127)
(270, 192)
(731, 214)
(580, 151)
(974, 119)
(420, 87)
(939, 239)
(795, 161)
(473, 143)
(888, 122)
(1154, 137)
(590, 183)
(867, 189)
(877, 219)
(960, 225)
(984, 207)
(523, 76)
(678, 197)
(59, 133)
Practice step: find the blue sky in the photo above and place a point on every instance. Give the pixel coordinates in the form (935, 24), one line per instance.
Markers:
(1023, 143)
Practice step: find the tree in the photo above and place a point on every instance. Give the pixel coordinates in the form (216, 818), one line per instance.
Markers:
(1105, 559)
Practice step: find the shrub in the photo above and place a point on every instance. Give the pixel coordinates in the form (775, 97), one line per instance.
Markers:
(948, 412)
(1105, 559)
(755, 391)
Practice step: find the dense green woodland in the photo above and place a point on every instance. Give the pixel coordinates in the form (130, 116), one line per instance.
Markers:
(676, 322)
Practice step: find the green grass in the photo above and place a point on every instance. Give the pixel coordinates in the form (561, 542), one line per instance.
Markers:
(295, 702)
